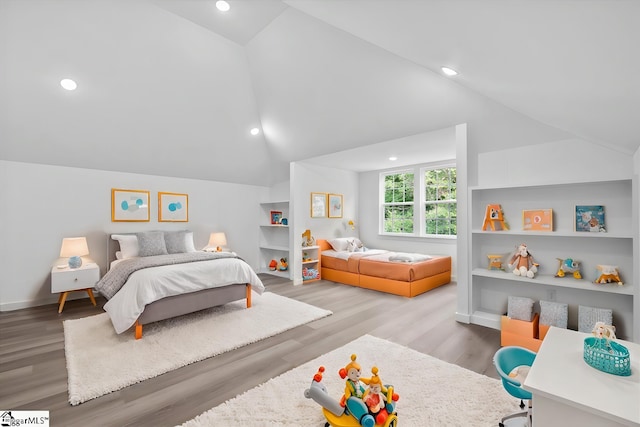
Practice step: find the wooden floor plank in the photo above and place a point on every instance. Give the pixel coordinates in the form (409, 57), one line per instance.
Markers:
(33, 368)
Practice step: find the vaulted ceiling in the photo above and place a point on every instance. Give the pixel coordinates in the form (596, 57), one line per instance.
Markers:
(172, 87)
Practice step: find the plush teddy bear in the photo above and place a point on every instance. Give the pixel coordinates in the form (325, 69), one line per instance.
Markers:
(522, 262)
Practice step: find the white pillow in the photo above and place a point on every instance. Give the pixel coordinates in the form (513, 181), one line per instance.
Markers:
(128, 244)
(340, 244)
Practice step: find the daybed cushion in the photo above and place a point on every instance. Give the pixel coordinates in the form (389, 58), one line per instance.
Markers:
(405, 272)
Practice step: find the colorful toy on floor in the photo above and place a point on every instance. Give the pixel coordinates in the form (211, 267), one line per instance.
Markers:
(522, 262)
(371, 407)
(608, 274)
(568, 266)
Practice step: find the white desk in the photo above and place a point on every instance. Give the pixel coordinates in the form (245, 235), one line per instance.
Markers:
(568, 392)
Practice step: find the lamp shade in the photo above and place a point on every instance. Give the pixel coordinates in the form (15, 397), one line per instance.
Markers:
(217, 240)
(73, 248)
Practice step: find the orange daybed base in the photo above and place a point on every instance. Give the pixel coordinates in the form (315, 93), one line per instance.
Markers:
(405, 279)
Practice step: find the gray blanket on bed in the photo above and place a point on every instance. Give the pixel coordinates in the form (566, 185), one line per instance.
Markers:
(118, 275)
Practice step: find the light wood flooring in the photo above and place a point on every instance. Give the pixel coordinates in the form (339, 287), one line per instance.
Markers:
(33, 372)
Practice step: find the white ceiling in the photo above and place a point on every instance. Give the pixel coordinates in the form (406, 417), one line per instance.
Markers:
(172, 87)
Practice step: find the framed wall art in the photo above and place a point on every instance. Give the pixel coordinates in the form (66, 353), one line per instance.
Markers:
(276, 217)
(173, 207)
(129, 205)
(318, 205)
(335, 205)
(589, 218)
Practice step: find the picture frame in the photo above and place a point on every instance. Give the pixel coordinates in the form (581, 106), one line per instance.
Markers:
(589, 218)
(335, 206)
(537, 220)
(276, 217)
(173, 207)
(318, 205)
(129, 205)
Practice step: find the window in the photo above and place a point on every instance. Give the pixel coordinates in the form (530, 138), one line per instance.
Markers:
(424, 208)
(398, 203)
(440, 207)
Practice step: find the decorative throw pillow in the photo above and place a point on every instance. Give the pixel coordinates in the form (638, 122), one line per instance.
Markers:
(520, 308)
(178, 242)
(339, 244)
(354, 245)
(554, 314)
(151, 243)
(128, 244)
(588, 316)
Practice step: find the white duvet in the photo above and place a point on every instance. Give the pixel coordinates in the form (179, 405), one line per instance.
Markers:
(154, 283)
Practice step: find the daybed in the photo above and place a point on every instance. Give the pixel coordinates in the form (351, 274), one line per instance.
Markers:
(385, 271)
(159, 275)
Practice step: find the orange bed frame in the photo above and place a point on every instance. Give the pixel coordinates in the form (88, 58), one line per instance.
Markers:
(406, 288)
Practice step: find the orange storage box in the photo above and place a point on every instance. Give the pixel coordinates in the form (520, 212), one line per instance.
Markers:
(520, 333)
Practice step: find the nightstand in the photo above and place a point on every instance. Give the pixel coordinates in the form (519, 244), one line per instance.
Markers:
(65, 280)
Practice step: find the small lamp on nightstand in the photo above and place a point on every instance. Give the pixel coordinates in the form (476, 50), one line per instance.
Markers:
(216, 240)
(74, 248)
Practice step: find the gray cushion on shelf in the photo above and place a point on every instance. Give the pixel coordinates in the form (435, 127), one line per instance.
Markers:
(151, 243)
(554, 314)
(588, 316)
(520, 308)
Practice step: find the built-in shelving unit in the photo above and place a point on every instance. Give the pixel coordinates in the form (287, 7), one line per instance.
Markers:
(274, 238)
(489, 289)
(311, 260)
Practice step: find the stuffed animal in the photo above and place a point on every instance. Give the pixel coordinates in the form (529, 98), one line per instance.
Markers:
(284, 265)
(601, 330)
(273, 265)
(522, 262)
(608, 274)
(568, 266)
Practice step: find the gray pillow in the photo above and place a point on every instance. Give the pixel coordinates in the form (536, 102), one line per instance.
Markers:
(179, 242)
(554, 314)
(151, 243)
(520, 308)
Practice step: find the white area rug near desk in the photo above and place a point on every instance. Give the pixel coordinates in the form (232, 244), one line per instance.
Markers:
(432, 392)
(99, 361)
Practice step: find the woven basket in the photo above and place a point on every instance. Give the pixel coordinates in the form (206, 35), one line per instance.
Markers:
(607, 356)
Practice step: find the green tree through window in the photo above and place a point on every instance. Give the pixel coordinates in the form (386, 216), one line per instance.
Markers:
(440, 201)
(398, 203)
(435, 195)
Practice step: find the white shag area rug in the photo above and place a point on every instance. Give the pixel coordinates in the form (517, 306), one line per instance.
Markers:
(99, 361)
(432, 392)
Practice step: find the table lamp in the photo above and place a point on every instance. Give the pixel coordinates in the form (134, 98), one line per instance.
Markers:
(217, 240)
(74, 248)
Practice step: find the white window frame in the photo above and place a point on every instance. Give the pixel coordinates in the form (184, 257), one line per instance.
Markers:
(419, 199)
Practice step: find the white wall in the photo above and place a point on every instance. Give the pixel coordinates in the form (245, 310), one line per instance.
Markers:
(305, 179)
(43, 204)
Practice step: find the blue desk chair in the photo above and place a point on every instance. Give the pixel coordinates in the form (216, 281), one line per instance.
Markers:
(505, 360)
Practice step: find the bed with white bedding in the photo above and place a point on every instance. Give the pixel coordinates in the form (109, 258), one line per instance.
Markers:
(156, 279)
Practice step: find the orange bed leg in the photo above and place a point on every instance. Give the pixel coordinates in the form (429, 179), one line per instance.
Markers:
(138, 330)
(248, 295)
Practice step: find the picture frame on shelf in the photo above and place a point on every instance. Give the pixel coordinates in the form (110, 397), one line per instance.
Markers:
(276, 217)
(173, 207)
(335, 205)
(590, 219)
(537, 220)
(129, 205)
(318, 205)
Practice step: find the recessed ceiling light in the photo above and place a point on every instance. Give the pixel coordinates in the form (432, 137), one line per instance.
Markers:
(449, 71)
(222, 6)
(393, 158)
(255, 131)
(68, 84)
